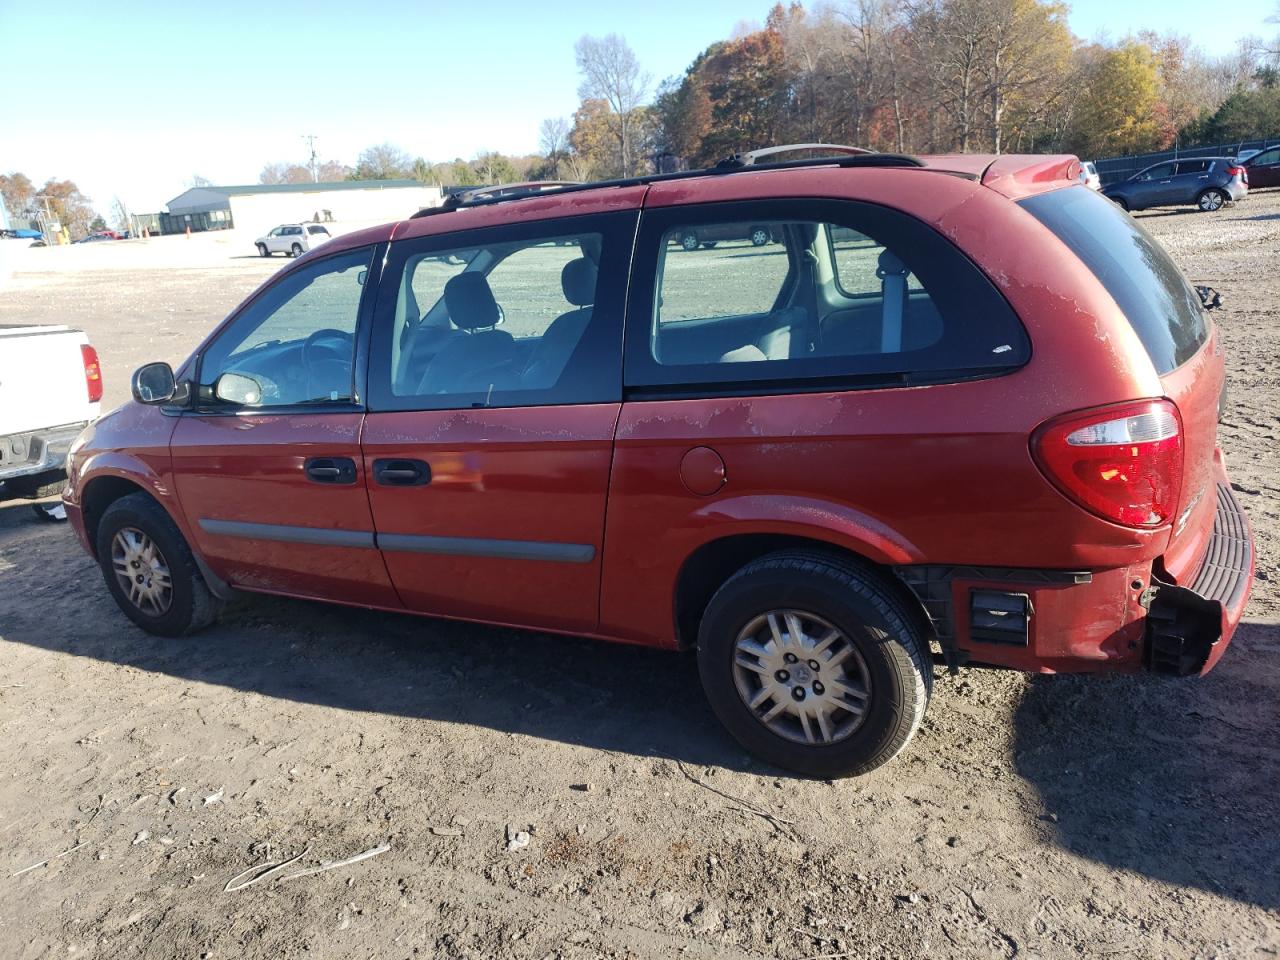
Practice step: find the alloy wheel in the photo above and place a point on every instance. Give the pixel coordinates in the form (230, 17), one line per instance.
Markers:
(141, 570)
(801, 677)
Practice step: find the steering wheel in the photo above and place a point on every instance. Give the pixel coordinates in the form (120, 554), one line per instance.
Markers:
(337, 344)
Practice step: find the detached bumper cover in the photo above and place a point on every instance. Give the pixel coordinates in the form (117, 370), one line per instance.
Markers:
(1189, 627)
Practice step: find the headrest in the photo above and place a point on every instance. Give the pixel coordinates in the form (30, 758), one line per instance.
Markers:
(578, 280)
(470, 302)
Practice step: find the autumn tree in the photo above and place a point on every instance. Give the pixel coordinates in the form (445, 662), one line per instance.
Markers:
(611, 73)
(591, 142)
(273, 173)
(18, 192)
(1115, 113)
(68, 205)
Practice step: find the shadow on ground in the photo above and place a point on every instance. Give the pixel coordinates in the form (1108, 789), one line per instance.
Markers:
(1173, 779)
(612, 697)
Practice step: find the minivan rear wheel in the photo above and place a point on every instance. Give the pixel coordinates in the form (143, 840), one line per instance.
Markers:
(689, 241)
(296, 250)
(1211, 199)
(150, 570)
(813, 664)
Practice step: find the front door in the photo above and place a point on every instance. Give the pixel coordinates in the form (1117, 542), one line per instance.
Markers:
(495, 380)
(1264, 169)
(267, 462)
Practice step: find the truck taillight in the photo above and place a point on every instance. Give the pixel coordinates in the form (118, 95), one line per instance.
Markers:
(92, 372)
(1123, 463)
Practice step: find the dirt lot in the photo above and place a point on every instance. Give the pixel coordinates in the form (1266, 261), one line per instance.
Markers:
(1032, 817)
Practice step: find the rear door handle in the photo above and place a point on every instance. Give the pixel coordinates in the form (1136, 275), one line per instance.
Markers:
(401, 473)
(330, 470)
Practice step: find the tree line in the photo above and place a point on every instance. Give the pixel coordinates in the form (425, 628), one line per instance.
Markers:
(920, 76)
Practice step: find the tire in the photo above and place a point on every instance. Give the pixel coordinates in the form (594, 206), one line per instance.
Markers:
(295, 250)
(759, 236)
(190, 605)
(886, 669)
(709, 244)
(1120, 202)
(53, 512)
(263, 251)
(1211, 200)
(689, 241)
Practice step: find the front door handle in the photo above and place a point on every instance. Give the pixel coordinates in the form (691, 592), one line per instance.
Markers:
(330, 470)
(401, 473)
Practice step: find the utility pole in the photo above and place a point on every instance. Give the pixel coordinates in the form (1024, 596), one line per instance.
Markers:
(315, 167)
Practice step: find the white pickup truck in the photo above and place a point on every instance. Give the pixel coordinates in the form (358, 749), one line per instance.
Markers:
(50, 389)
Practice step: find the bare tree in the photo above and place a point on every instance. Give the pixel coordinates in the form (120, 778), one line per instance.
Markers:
(611, 72)
(120, 218)
(553, 142)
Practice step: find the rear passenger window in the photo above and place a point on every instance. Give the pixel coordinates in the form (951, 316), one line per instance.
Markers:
(1145, 283)
(850, 295)
(1193, 166)
(725, 275)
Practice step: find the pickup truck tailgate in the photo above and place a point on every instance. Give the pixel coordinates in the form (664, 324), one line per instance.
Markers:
(42, 379)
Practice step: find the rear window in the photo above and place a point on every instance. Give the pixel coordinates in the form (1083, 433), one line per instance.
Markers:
(316, 230)
(1143, 280)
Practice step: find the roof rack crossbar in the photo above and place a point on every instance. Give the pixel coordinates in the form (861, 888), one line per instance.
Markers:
(863, 159)
(751, 157)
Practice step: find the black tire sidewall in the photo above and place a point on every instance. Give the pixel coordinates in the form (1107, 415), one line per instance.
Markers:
(149, 517)
(747, 596)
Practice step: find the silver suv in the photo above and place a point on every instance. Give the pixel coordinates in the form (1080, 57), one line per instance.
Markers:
(292, 239)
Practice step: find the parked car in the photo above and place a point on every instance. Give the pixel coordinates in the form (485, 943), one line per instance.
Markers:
(709, 235)
(1089, 175)
(292, 239)
(96, 237)
(50, 389)
(825, 471)
(1206, 182)
(1263, 168)
(1244, 155)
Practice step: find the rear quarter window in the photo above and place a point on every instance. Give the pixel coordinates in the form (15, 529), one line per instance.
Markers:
(1159, 303)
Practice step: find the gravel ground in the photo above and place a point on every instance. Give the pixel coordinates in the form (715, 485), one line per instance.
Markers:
(1031, 817)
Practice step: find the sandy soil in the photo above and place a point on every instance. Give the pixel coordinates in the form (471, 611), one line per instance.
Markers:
(1031, 817)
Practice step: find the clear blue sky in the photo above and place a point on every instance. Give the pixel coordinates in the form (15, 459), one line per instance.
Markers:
(134, 98)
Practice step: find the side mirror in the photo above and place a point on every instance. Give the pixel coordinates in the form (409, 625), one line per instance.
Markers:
(153, 383)
(238, 388)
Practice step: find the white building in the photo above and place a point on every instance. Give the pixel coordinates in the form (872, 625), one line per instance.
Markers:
(254, 209)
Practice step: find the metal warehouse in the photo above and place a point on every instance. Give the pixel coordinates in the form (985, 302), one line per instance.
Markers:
(256, 208)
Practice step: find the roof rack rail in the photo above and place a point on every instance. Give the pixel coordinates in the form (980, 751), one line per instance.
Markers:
(751, 157)
(855, 157)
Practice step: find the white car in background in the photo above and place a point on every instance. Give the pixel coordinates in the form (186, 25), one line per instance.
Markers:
(1089, 175)
(292, 239)
(50, 390)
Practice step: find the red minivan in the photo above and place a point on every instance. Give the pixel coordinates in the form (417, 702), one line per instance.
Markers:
(961, 411)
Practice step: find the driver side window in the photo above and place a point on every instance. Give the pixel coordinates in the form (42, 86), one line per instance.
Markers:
(295, 344)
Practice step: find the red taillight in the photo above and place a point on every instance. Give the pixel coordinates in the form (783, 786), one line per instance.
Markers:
(92, 372)
(1240, 172)
(1123, 463)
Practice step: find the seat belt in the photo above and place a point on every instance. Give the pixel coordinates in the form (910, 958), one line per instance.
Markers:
(893, 291)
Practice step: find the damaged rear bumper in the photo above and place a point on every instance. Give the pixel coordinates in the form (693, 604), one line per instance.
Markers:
(1190, 626)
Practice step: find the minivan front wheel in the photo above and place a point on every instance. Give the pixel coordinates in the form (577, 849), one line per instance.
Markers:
(263, 251)
(814, 664)
(150, 570)
(1211, 200)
